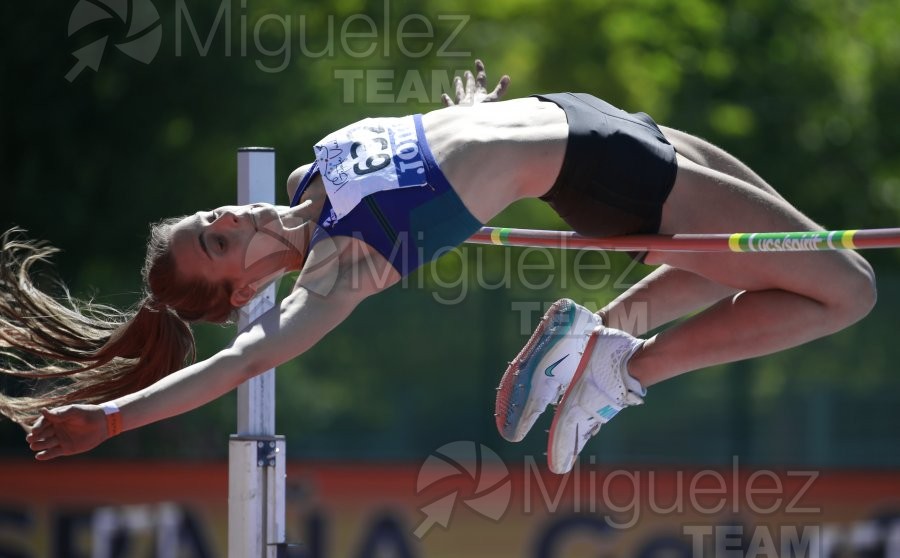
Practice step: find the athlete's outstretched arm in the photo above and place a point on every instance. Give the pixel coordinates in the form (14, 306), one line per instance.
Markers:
(284, 332)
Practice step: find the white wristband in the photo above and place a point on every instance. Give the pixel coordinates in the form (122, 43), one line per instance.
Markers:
(110, 408)
(113, 419)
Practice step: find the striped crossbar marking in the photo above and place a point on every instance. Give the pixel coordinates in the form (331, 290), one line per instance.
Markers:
(499, 236)
(812, 240)
(740, 242)
(797, 241)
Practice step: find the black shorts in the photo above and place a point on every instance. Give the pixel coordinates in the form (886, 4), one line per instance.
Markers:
(617, 172)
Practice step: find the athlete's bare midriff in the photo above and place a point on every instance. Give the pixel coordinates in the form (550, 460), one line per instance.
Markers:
(496, 153)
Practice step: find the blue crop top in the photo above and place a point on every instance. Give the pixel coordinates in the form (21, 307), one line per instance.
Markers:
(409, 224)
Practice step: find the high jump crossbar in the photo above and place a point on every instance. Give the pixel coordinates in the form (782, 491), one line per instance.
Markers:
(801, 241)
(256, 456)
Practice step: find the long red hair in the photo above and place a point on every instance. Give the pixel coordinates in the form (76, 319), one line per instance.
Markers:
(83, 352)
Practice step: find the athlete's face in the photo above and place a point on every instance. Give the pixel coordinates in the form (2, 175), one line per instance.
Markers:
(245, 246)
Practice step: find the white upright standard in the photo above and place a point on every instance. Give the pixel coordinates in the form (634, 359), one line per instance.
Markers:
(256, 471)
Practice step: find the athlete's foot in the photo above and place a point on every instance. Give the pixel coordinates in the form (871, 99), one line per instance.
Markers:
(597, 392)
(543, 368)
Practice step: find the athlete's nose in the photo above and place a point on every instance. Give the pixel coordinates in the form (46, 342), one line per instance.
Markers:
(227, 218)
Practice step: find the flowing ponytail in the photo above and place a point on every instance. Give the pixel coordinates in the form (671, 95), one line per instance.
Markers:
(75, 351)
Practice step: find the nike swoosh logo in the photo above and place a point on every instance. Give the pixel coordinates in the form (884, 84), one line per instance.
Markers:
(549, 370)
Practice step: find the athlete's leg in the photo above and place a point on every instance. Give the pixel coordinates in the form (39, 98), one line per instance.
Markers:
(783, 300)
(665, 294)
(669, 293)
(786, 299)
(544, 367)
(711, 156)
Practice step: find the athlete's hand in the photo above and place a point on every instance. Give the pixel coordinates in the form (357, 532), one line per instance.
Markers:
(475, 88)
(67, 430)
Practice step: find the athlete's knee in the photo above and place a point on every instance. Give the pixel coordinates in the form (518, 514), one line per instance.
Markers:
(867, 289)
(855, 292)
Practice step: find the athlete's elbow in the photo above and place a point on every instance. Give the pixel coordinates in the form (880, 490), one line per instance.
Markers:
(253, 367)
(241, 365)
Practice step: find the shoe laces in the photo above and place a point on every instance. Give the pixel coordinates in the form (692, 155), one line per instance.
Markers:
(617, 368)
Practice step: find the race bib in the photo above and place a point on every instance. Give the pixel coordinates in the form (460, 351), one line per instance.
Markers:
(372, 155)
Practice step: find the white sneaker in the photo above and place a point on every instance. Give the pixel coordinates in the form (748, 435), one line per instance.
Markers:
(543, 368)
(595, 395)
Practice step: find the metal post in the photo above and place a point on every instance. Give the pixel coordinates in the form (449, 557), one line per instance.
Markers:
(256, 467)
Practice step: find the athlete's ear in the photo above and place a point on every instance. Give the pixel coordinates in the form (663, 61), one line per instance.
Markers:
(242, 296)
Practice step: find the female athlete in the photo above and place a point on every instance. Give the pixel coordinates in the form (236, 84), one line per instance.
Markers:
(386, 195)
